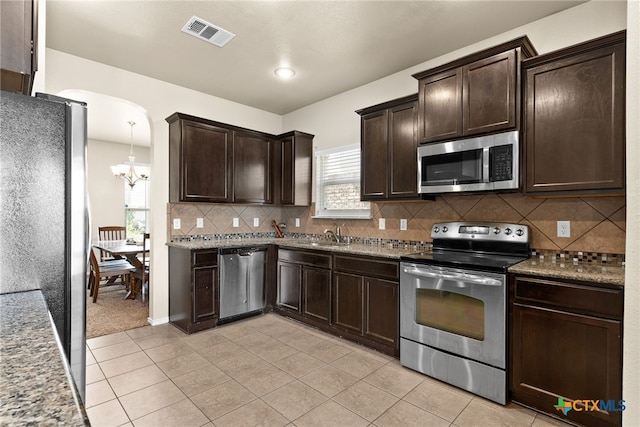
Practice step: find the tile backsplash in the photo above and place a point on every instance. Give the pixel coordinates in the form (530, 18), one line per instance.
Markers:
(597, 223)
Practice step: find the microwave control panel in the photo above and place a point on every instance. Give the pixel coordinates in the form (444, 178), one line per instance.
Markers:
(501, 163)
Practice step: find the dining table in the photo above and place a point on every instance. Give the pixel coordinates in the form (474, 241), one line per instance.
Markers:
(125, 249)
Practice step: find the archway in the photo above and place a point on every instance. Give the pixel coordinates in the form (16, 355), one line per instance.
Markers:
(110, 139)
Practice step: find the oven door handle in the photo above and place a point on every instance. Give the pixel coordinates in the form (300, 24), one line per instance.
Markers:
(466, 278)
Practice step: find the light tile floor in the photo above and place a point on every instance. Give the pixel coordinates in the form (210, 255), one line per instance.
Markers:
(270, 371)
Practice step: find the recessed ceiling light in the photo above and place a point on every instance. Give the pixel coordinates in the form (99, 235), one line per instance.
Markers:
(284, 72)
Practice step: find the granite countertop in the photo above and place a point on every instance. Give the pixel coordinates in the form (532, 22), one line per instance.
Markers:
(605, 274)
(35, 386)
(382, 251)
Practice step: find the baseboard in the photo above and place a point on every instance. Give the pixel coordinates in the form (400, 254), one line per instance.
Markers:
(160, 321)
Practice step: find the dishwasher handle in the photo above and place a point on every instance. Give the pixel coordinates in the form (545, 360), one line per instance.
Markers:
(244, 251)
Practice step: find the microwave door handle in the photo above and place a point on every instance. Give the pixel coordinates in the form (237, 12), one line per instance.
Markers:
(467, 279)
(486, 160)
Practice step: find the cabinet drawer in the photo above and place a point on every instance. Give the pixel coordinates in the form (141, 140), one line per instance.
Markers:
(604, 302)
(368, 267)
(205, 258)
(309, 258)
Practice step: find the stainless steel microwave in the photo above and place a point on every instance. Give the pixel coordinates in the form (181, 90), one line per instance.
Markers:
(476, 164)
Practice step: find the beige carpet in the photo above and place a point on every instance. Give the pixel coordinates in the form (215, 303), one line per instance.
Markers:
(112, 313)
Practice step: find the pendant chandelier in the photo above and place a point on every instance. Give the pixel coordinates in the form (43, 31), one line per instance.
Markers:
(128, 172)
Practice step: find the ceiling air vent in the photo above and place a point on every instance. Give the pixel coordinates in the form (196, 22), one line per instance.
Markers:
(208, 32)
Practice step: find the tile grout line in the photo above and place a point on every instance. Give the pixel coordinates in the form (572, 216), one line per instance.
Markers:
(352, 350)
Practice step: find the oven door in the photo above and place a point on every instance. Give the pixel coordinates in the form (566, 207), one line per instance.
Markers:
(454, 310)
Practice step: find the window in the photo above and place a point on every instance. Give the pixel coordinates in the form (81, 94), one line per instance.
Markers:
(136, 213)
(338, 184)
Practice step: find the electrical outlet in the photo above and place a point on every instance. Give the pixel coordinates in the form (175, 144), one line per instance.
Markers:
(176, 224)
(403, 224)
(199, 222)
(298, 222)
(236, 222)
(564, 228)
(382, 224)
(256, 222)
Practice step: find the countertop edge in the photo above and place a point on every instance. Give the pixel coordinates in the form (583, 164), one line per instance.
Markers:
(380, 251)
(30, 354)
(597, 274)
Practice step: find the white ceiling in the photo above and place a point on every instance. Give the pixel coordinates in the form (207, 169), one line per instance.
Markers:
(334, 46)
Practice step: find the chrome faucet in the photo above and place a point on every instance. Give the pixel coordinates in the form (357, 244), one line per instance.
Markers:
(334, 235)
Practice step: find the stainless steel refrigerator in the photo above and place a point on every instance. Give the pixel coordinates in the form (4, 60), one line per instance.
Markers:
(44, 230)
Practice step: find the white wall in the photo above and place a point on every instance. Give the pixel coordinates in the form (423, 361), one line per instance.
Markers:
(106, 192)
(631, 338)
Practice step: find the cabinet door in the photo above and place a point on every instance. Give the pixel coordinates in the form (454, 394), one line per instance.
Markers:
(574, 122)
(489, 94)
(381, 305)
(560, 354)
(205, 293)
(289, 285)
(287, 171)
(206, 163)
(374, 171)
(348, 299)
(296, 152)
(440, 107)
(316, 283)
(251, 168)
(403, 166)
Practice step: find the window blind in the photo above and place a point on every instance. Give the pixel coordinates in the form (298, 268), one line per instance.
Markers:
(338, 184)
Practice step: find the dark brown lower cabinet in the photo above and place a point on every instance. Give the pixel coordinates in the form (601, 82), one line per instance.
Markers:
(365, 301)
(289, 285)
(348, 299)
(316, 293)
(205, 289)
(354, 297)
(193, 289)
(304, 285)
(381, 314)
(566, 343)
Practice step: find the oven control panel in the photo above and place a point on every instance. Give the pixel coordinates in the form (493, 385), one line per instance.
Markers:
(486, 231)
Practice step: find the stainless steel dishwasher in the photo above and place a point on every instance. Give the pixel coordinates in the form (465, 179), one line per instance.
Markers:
(242, 272)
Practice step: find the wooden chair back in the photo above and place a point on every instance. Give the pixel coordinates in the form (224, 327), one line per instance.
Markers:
(110, 232)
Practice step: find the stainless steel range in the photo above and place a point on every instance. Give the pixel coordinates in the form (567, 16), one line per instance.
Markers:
(453, 305)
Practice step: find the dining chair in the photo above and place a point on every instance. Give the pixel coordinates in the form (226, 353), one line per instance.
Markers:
(107, 270)
(110, 232)
(141, 275)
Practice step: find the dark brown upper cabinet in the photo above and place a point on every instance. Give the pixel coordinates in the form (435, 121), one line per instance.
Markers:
(388, 150)
(474, 95)
(574, 124)
(252, 162)
(200, 161)
(215, 162)
(18, 45)
(294, 156)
